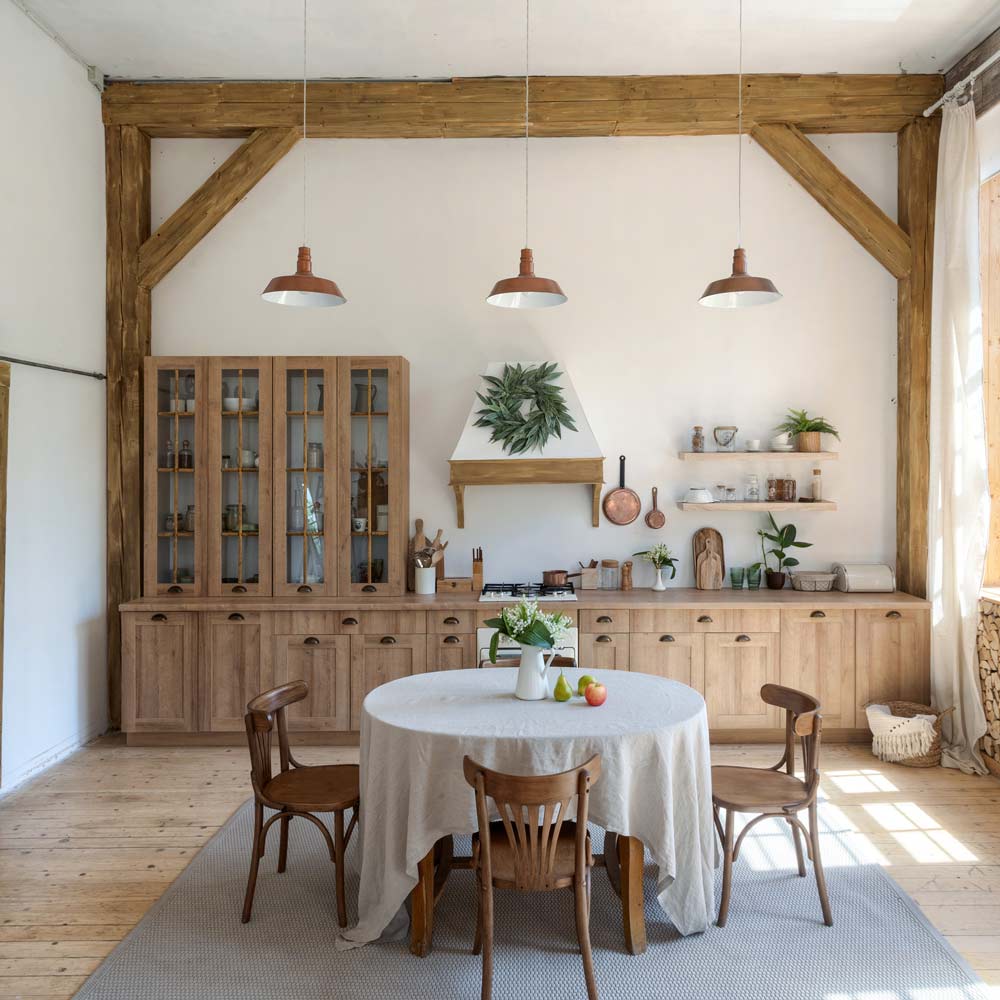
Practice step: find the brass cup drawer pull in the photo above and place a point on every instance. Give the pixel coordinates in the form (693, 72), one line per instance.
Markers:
(239, 589)
(175, 589)
(743, 638)
(817, 614)
(451, 639)
(893, 614)
(705, 619)
(450, 620)
(605, 619)
(311, 640)
(605, 638)
(158, 617)
(305, 589)
(667, 638)
(236, 617)
(388, 640)
(368, 589)
(349, 621)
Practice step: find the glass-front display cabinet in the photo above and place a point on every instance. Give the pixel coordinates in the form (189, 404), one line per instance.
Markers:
(373, 399)
(174, 476)
(239, 476)
(304, 444)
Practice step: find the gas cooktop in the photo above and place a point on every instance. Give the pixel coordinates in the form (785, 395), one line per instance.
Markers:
(529, 591)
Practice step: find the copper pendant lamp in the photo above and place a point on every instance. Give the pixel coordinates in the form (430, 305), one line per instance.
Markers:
(526, 290)
(740, 289)
(303, 288)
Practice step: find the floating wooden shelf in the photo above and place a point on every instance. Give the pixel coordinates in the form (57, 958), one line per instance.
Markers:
(770, 456)
(759, 505)
(524, 472)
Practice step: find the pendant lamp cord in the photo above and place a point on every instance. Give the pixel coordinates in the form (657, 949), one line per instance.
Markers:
(305, 34)
(527, 52)
(739, 136)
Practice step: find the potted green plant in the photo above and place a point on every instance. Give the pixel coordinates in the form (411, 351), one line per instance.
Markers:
(807, 430)
(659, 555)
(781, 540)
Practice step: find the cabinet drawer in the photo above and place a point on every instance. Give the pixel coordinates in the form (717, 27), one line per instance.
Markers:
(604, 651)
(604, 621)
(454, 651)
(451, 622)
(735, 620)
(382, 623)
(660, 620)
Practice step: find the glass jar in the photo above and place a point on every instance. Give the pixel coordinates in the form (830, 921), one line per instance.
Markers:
(314, 455)
(610, 576)
(698, 439)
(817, 485)
(189, 518)
(752, 491)
(185, 457)
(731, 496)
(168, 460)
(788, 488)
(296, 516)
(773, 489)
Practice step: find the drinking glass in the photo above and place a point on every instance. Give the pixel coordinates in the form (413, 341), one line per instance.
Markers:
(736, 577)
(753, 578)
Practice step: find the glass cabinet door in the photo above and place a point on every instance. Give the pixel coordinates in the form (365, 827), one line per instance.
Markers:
(239, 510)
(304, 441)
(375, 489)
(174, 476)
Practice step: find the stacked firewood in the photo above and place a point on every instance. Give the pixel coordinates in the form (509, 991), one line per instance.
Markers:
(989, 676)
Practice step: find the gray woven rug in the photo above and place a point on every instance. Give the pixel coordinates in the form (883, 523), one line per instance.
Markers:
(192, 946)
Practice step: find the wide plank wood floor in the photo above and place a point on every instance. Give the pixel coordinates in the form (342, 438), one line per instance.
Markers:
(88, 846)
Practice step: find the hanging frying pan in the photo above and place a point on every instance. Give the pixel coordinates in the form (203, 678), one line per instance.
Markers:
(655, 518)
(621, 505)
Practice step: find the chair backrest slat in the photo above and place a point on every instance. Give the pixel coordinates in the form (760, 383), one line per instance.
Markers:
(803, 720)
(263, 713)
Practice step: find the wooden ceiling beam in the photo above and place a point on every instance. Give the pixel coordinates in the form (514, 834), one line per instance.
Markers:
(210, 204)
(838, 194)
(494, 107)
(986, 89)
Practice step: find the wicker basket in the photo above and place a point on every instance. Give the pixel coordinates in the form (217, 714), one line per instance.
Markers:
(907, 710)
(814, 582)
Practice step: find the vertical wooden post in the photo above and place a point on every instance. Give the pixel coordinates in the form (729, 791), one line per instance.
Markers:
(989, 243)
(918, 148)
(128, 342)
(4, 408)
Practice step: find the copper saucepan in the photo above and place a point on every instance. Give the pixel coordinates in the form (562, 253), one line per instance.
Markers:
(622, 505)
(555, 577)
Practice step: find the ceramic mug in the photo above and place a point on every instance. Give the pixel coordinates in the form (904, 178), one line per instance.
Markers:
(781, 440)
(246, 458)
(753, 444)
(359, 523)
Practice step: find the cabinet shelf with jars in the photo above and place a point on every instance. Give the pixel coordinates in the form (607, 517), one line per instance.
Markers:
(284, 476)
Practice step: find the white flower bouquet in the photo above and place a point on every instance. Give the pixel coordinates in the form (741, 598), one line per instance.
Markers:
(526, 624)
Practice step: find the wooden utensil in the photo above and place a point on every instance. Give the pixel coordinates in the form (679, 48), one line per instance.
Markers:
(621, 505)
(709, 560)
(655, 518)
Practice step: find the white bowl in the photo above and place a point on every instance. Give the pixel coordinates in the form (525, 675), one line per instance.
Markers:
(246, 404)
(698, 494)
(230, 404)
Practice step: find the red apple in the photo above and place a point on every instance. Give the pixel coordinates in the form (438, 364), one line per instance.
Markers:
(596, 694)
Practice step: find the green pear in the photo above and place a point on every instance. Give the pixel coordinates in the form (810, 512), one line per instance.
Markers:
(585, 681)
(563, 691)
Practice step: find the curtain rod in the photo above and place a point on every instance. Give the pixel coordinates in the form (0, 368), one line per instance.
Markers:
(54, 368)
(962, 84)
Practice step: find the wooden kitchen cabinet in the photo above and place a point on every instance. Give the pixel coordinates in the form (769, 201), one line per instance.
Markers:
(604, 651)
(737, 665)
(231, 669)
(893, 656)
(817, 656)
(324, 663)
(377, 660)
(160, 652)
(678, 656)
(455, 651)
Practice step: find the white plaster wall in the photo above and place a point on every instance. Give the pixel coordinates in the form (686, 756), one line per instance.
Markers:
(416, 232)
(52, 309)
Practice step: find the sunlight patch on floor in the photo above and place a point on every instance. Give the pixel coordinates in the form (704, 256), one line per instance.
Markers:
(860, 781)
(923, 838)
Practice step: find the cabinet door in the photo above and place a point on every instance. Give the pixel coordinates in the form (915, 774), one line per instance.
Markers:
(304, 443)
(678, 656)
(159, 652)
(324, 663)
(893, 656)
(817, 657)
(174, 476)
(456, 651)
(737, 666)
(231, 669)
(377, 659)
(604, 651)
(239, 476)
(374, 436)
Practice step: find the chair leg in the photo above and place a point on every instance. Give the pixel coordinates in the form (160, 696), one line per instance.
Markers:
(486, 896)
(255, 855)
(477, 944)
(796, 836)
(727, 871)
(824, 899)
(283, 843)
(338, 847)
(583, 934)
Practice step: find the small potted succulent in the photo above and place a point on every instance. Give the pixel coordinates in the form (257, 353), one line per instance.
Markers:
(781, 540)
(659, 555)
(808, 430)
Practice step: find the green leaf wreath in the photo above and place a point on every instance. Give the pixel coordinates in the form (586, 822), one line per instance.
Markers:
(520, 429)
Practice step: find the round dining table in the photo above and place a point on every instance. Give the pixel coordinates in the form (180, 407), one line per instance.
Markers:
(654, 791)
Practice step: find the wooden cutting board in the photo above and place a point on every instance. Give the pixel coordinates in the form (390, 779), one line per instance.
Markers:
(709, 560)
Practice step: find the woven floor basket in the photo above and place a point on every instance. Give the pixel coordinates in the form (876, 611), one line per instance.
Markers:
(907, 710)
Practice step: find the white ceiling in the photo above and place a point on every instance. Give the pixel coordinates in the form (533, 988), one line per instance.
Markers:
(261, 39)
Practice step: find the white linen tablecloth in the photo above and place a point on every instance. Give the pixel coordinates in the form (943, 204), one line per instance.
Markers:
(655, 784)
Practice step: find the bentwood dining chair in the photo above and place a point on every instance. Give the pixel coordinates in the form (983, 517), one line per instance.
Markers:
(297, 790)
(775, 793)
(532, 847)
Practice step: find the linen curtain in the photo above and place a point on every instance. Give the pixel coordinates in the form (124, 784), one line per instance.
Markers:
(959, 502)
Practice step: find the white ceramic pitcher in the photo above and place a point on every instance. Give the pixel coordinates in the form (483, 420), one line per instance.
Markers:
(532, 675)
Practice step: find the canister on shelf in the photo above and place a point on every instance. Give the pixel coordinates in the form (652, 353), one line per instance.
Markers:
(817, 484)
(189, 518)
(788, 487)
(610, 579)
(752, 492)
(773, 487)
(698, 438)
(185, 459)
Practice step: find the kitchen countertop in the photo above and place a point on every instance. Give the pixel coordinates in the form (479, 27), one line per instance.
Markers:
(674, 598)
